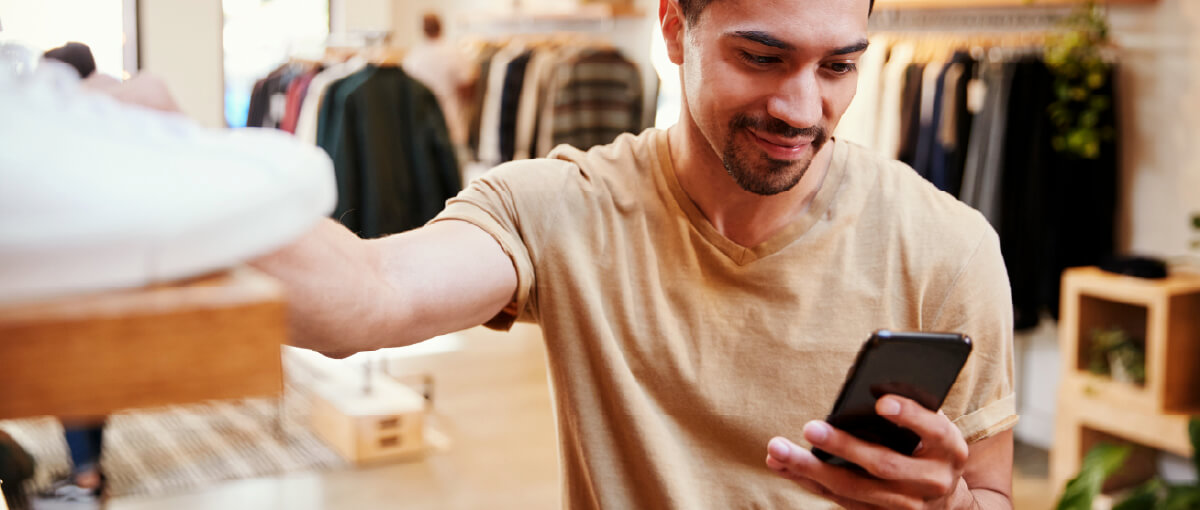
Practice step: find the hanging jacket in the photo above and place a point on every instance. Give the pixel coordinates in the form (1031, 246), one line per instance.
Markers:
(394, 162)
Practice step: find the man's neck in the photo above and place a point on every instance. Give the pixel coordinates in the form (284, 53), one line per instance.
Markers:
(745, 218)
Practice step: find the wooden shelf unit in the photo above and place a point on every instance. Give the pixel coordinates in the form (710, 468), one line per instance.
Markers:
(1092, 408)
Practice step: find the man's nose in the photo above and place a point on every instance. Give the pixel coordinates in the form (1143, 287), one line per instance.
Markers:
(798, 101)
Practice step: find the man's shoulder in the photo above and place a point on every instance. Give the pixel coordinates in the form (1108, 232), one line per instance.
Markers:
(628, 152)
(613, 169)
(911, 203)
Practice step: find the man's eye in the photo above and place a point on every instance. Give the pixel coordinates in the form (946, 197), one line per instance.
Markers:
(842, 67)
(758, 60)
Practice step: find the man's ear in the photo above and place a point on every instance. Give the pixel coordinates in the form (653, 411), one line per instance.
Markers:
(673, 30)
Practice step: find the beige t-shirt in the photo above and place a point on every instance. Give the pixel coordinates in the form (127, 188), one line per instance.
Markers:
(676, 354)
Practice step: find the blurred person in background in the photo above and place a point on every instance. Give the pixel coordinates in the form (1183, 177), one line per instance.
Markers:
(83, 487)
(16, 466)
(439, 65)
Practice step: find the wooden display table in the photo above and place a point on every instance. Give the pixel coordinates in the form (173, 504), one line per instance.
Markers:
(1091, 408)
(213, 337)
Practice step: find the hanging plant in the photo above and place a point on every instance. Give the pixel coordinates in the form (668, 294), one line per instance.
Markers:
(1076, 59)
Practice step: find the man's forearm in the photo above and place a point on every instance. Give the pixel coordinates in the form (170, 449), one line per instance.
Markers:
(347, 295)
(334, 293)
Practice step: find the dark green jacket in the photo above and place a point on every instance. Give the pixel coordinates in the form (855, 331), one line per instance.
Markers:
(392, 154)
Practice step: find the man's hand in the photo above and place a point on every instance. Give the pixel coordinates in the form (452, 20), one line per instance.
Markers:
(143, 90)
(932, 478)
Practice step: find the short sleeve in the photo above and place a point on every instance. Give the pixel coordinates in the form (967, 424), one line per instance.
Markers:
(978, 303)
(510, 203)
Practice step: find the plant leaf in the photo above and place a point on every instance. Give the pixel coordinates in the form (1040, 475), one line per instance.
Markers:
(1099, 463)
(1194, 432)
(1145, 497)
(1182, 498)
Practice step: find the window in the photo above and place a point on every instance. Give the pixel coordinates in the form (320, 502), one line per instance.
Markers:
(262, 34)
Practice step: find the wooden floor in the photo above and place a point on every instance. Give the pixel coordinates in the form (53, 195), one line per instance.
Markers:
(493, 403)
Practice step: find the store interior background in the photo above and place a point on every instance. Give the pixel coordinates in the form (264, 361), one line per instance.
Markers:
(206, 50)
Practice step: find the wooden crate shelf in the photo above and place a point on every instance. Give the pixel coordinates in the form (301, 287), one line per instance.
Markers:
(1166, 315)
(216, 337)
(1114, 414)
(386, 423)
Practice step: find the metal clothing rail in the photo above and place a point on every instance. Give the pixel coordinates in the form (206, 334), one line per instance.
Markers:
(540, 23)
(1003, 19)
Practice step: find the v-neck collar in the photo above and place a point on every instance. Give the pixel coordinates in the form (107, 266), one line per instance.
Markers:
(739, 254)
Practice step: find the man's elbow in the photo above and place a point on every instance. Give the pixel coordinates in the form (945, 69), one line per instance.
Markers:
(337, 354)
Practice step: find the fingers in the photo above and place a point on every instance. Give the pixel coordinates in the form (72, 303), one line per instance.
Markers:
(813, 487)
(939, 437)
(900, 481)
(843, 486)
(924, 477)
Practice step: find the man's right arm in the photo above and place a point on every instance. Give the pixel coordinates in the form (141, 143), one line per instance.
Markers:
(347, 295)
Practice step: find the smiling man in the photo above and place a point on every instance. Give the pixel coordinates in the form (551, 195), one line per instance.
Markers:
(703, 290)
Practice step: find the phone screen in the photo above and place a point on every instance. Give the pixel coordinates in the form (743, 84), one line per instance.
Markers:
(919, 366)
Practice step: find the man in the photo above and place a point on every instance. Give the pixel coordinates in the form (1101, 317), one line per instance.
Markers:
(703, 290)
(441, 67)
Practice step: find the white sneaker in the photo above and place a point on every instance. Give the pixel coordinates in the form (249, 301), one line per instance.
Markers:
(96, 194)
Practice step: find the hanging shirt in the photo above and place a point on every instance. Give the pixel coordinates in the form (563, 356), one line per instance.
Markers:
(510, 101)
(861, 120)
(985, 152)
(489, 124)
(310, 109)
(599, 97)
(392, 155)
(295, 98)
(887, 134)
(534, 88)
(444, 70)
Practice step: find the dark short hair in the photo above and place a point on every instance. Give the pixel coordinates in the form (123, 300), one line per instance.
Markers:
(78, 55)
(693, 8)
(433, 25)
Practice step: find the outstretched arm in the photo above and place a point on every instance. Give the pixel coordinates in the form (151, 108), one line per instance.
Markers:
(347, 295)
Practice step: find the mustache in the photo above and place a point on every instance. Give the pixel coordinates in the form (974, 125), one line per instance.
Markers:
(778, 127)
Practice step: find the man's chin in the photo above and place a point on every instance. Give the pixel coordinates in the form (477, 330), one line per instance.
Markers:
(768, 176)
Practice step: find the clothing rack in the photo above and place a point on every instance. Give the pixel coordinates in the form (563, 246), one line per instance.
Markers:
(372, 45)
(583, 20)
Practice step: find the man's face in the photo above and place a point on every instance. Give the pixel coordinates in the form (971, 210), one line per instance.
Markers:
(766, 82)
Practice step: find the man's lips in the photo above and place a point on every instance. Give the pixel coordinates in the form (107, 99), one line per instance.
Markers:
(780, 140)
(779, 147)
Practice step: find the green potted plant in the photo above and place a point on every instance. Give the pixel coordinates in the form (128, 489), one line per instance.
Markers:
(1115, 354)
(1105, 459)
(1196, 231)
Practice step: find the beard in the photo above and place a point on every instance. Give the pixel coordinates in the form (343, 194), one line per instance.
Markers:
(754, 170)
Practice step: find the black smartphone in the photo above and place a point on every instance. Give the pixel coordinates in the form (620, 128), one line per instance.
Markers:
(919, 366)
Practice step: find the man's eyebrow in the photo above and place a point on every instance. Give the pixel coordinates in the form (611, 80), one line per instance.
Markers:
(853, 48)
(763, 38)
(766, 39)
